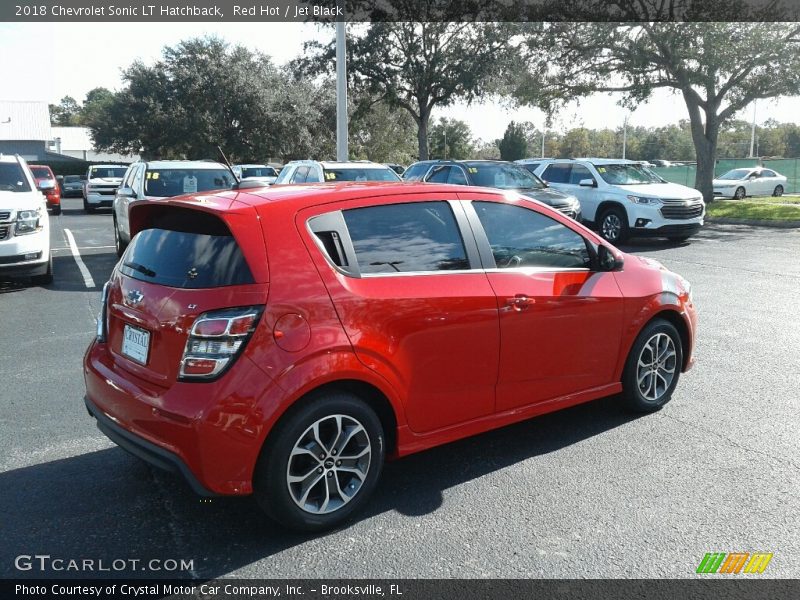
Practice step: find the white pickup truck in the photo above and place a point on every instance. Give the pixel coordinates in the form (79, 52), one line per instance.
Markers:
(101, 185)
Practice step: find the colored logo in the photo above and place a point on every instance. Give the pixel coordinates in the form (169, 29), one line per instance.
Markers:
(734, 562)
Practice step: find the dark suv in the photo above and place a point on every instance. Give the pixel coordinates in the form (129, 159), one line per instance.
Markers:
(283, 341)
(495, 174)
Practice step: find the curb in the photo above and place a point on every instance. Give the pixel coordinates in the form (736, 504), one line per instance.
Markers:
(754, 222)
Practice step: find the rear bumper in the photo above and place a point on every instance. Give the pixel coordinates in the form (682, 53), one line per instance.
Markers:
(147, 451)
(211, 433)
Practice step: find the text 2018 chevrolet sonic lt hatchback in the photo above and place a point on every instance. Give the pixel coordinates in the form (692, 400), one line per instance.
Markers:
(283, 341)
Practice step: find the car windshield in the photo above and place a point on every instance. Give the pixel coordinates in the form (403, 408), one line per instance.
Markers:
(504, 177)
(359, 174)
(106, 172)
(41, 173)
(626, 174)
(258, 172)
(12, 178)
(735, 174)
(165, 183)
(71, 179)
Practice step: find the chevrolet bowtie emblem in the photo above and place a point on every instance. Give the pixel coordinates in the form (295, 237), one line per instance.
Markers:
(135, 296)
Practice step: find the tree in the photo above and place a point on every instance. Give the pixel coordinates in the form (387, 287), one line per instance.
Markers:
(382, 134)
(417, 66)
(717, 68)
(513, 146)
(204, 93)
(66, 113)
(451, 138)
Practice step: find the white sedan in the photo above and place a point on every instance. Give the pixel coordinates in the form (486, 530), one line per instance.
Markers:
(752, 181)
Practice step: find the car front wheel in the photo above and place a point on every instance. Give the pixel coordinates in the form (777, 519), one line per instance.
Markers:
(653, 367)
(614, 225)
(321, 464)
(739, 194)
(778, 191)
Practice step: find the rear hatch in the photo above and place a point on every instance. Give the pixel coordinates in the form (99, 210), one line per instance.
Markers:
(192, 264)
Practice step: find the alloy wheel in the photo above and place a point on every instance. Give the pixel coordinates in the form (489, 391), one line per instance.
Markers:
(328, 464)
(612, 226)
(656, 367)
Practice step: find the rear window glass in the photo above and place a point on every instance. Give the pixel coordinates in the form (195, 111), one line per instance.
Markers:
(204, 258)
(402, 238)
(165, 183)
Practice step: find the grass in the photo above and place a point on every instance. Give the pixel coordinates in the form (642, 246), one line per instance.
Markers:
(760, 209)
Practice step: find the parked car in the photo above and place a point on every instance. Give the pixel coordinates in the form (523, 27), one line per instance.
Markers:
(750, 181)
(72, 186)
(100, 186)
(261, 173)
(312, 171)
(622, 199)
(502, 175)
(282, 343)
(153, 180)
(47, 184)
(24, 224)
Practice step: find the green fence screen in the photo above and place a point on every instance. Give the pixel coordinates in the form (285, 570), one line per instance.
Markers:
(788, 167)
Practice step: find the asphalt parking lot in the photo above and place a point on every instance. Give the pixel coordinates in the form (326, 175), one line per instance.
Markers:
(592, 491)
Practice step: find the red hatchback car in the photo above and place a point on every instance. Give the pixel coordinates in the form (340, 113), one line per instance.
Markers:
(283, 342)
(48, 185)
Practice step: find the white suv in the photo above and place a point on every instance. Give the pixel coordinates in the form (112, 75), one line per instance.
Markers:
(24, 224)
(622, 199)
(313, 171)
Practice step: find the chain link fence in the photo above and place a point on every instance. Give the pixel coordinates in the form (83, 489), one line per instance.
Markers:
(788, 167)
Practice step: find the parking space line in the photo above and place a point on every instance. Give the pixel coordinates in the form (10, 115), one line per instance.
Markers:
(85, 248)
(87, 276)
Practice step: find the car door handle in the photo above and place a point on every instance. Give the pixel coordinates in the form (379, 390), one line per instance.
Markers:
(520, 301)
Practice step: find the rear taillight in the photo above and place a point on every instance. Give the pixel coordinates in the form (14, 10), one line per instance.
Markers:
(216, 339)
(102, 317)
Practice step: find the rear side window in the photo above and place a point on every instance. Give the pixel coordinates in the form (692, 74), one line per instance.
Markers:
(403, 238)
(416, 172)
(557, 173)
(356, 174)
(521, 237)
(186, 251)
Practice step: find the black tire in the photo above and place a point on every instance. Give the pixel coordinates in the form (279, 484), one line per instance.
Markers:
(635, 397)
(613, 225)
(119, 245)
(678, 239)
(271, 481)
(739, 194)
(56, 210)
(45, 278)
(778, 191)
(88, 208)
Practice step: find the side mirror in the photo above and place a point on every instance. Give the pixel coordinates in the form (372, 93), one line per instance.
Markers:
(45, 185)
(607, 260)
(587, 183)
(126, 192)
(60, 178)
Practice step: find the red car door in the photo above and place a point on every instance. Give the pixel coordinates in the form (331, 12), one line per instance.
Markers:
(560, 322)
(408, 287)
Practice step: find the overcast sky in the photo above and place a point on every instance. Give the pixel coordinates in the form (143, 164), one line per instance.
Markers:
(60, 59)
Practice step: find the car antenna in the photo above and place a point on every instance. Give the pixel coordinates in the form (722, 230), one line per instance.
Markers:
(230, 168)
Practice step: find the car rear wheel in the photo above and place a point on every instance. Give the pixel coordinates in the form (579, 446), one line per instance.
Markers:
(321, 464)
(778, 191)
(614, 225)
(739, 194)
(653, 367)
